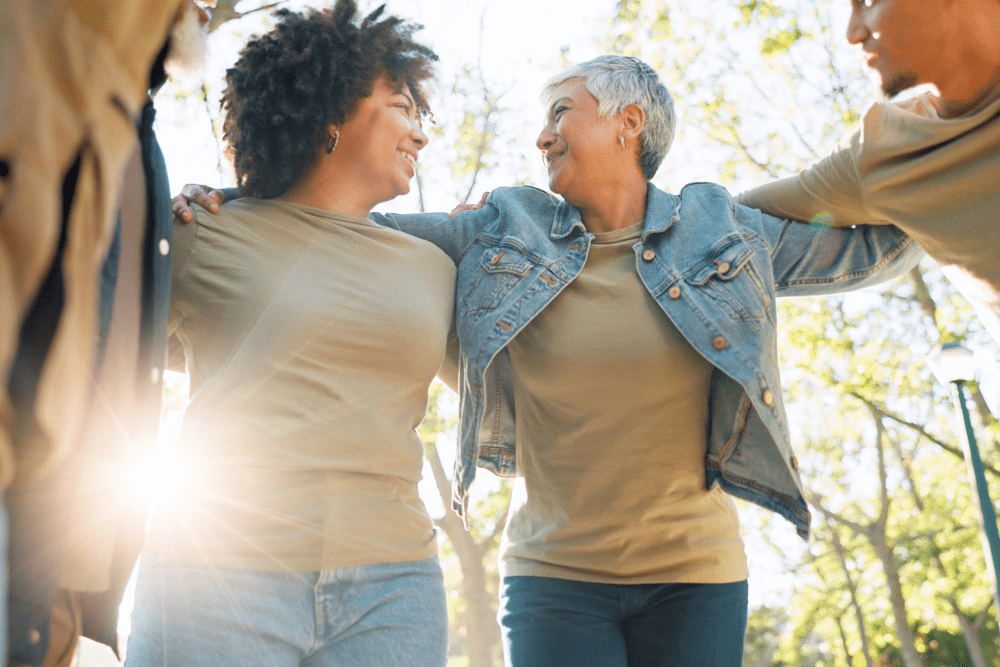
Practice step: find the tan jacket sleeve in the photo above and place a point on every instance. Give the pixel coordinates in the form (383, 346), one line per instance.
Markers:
(73, 77)
(828, 192)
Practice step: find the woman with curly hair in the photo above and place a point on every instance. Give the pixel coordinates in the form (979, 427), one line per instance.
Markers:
(311, 335)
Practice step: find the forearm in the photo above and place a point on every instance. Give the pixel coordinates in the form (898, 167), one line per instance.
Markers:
(828, 192)
(814, 260)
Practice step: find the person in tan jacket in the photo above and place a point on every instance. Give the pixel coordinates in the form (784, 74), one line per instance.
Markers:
(74, 76)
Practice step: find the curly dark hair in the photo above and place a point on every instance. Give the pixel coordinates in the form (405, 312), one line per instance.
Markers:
(307, 73)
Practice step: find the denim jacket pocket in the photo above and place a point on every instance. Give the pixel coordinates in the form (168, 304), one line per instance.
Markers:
(729, 278)
(500, 267)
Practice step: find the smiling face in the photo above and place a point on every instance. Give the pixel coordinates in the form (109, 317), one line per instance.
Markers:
(380, 142)
(580, 148)
(903, 40)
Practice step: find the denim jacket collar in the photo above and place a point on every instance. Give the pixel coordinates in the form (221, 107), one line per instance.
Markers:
(662, 210)
(566, 219)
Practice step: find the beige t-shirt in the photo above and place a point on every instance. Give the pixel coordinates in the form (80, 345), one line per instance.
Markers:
(612, 423)
(937, 179)
(311, 339)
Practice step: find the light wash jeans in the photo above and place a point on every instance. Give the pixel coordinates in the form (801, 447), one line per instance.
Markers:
(385, 615)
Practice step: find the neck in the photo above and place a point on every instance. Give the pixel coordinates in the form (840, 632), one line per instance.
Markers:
(321, 187)
(968, 92)
(608, 209)
(972, 73)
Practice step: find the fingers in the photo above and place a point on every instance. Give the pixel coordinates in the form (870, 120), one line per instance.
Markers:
(461, 207)
(181, 209)
(202, 195)
(470, 207)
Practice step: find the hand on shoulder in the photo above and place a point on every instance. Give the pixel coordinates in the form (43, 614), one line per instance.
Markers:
(202, 195)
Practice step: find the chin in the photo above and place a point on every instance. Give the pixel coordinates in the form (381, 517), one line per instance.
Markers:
(554, 184)
(894, 84)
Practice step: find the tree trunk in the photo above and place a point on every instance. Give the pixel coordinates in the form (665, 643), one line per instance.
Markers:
(971, 634)
(843, 641)
(483, 633)
(922, 295)
(853, 588)
(907, 641)
(481, 624)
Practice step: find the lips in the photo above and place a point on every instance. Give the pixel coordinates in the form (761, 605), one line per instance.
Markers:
(551, 157)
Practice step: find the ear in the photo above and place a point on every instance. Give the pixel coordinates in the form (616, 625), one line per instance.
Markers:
(633, 121)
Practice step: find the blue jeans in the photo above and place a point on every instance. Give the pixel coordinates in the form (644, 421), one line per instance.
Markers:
(549, 622)
(386, 614)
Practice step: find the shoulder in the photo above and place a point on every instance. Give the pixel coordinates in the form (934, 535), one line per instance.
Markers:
(523, 195)
(893, 122)
(918, 106)
(713, 204)
(705, 195)
(209, 232)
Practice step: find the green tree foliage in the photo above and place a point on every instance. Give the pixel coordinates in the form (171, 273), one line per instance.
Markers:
(762, 87)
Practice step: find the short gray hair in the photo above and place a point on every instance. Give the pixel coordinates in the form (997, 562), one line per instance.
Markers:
(618, 81)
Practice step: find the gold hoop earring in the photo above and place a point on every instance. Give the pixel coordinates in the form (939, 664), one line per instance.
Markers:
(331, 144)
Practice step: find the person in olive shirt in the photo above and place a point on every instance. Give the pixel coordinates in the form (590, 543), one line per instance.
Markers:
(930, 164)
(311, 335)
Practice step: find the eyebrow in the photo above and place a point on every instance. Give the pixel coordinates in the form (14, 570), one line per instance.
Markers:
(556, 102)
(408, 97)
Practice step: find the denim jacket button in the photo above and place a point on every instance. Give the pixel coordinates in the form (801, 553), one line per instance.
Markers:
(723, 267)
(648, 254)
(674, 292)
(34, 636)
(719, 343)
(768, 397)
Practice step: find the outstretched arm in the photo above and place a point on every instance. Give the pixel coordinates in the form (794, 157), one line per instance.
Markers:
(814, 259)
(828, 192)
(212, 198)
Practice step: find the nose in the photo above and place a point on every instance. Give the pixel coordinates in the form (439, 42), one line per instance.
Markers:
(417, 136)
(857, 31)
(545, 139)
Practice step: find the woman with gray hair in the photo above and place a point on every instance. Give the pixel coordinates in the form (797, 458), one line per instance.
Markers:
(634, 332)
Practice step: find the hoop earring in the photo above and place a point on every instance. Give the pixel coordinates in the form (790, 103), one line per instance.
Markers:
(331, 144)
(622, 140)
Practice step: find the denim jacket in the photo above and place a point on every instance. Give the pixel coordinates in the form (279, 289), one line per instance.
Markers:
(713, 266)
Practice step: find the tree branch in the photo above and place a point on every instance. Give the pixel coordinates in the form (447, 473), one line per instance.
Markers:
(923, 432)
